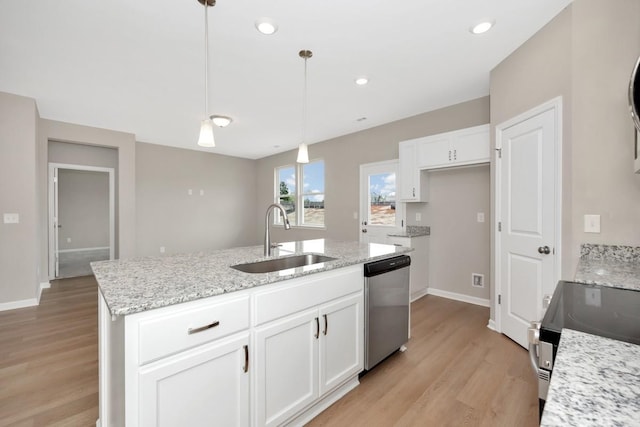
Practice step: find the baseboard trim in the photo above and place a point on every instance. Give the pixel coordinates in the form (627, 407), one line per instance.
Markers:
(492, 325)
(459, 297)
(12, 305)
(416, 296)
(43, 285)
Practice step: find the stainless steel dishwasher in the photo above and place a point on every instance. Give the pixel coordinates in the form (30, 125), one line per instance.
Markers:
(386, 296)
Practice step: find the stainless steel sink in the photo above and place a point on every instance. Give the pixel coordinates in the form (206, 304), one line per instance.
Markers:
(285, 263)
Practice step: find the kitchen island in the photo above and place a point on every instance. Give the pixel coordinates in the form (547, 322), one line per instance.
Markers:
(188, 340)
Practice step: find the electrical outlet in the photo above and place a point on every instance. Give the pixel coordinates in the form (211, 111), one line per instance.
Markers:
(477, 280)
(355, 215)
(202, 192)
(190, 192)
(161, 249)
(480, 216)
(68, 239)
(11, 218)
(418, 216)
(592, 223)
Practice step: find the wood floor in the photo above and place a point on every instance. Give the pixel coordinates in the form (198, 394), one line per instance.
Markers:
(455, 372)
(49, 358)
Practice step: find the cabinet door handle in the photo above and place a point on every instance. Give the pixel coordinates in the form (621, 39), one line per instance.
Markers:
(203, 328)
(317, 328)
(455, 154)
(414, 191)
(326, 324)
(449, 155)
(246, 358)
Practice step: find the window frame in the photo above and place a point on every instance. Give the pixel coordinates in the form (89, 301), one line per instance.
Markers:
(299, 195)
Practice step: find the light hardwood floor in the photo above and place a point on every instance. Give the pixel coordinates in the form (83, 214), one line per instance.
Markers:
(455, 372)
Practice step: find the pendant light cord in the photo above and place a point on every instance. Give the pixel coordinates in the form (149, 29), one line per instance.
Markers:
(304, 104)
(206, 61)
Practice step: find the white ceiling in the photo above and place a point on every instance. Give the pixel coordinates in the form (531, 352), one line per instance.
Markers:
(138, 66)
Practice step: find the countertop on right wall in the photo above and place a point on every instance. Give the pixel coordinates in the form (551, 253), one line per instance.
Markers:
(609, 265)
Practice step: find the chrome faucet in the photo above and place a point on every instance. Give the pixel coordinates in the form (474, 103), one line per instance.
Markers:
(267, 237)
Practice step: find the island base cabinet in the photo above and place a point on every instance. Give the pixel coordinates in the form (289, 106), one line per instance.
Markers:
(342, 343)
(304, 356)
(201, 387)
(287, 367)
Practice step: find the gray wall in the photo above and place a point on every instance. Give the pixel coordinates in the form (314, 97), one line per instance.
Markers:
(168, 216)
(83, 209)
(343, 157)
(459, 244)
(585, 55)
(18, 242)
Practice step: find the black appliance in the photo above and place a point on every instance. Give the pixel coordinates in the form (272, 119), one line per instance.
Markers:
(597, 310)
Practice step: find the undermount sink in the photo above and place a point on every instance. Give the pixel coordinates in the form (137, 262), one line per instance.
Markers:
(285, 263)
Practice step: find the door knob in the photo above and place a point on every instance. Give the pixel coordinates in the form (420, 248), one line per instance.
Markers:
(544, 250)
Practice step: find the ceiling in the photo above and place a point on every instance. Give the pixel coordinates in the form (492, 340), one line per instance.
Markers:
(138, 66)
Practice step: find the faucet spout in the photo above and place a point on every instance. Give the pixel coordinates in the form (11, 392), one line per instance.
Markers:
(267, 236)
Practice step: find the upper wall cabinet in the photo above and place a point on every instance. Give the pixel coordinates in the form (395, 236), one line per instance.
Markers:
(412, 184)
(458, 148)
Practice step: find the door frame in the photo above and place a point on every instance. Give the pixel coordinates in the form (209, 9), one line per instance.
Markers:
(51, 221)
(554, 104)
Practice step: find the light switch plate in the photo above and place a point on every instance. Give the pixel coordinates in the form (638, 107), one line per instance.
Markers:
(11, 218)
(480, 216)
(592, 223)
(418, 216)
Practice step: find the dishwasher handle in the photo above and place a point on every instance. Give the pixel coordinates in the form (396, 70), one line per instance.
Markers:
(533, 333)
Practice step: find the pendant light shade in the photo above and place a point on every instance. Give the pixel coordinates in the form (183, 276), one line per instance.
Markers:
(206, 126)
(206, 134)
(303, 151)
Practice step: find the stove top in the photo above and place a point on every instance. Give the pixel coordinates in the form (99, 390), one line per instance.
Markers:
(597, 310)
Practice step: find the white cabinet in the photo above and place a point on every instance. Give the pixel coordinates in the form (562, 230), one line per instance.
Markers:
(412, 183)
(419, 269)
(342, 341)
(458, 148)
(203, 386)
(309, 341)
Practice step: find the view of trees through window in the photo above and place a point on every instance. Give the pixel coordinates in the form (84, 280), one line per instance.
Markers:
(309, 194)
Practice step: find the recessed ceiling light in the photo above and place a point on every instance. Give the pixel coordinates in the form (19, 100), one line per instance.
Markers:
(221, 121)
(482, 27)
(266, 26)
(361, 81)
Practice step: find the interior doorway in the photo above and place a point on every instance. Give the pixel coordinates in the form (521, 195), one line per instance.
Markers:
(81, 218)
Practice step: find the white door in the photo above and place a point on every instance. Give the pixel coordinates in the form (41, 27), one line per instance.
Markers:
(55, 224)
(286, 367)
(202, 387)
(342, 341)
(528, 202)
(380, 213)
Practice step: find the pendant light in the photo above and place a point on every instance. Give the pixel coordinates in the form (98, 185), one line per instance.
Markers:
(303, 151)
(206, 126)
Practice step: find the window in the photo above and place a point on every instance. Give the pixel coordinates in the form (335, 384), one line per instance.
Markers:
(300, 189)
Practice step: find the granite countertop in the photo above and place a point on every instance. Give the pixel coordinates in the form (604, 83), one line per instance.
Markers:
(134, 285)
(609, 265)
(413, 231)
(595, 382)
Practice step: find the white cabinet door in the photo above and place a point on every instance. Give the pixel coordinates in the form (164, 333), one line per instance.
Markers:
(433, 152)
(407, 171)
(287, 367)
(200, 387)
(342, 341)
(471, 145)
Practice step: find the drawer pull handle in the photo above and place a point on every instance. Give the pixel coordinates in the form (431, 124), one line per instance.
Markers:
(203, 328)
(317, 328)
(326, 324)
(246, 358)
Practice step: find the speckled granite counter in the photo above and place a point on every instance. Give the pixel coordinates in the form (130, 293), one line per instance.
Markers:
(413, 231)
(609, 265)
(595, 382)
(134, 285)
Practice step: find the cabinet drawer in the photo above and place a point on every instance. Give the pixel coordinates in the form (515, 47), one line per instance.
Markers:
(170, 333)
(301, 295)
